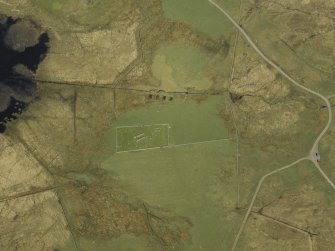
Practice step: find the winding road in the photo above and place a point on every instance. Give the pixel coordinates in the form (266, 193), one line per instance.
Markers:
(314, 149)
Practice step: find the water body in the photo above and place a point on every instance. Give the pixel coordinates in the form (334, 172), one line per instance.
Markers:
(22, 48)
(14, 108)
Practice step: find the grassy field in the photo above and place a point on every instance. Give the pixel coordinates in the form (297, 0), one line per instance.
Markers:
(189, 120)
(141, 137)
(183, 180)
(201, 16)
(160, 177)
(181, 66)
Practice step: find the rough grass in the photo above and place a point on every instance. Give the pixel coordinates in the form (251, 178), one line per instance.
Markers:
(92, 15)
(200, 15)
(302, 64)
(299, 196)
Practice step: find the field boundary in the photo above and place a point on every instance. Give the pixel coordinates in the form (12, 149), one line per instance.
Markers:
(175, 146)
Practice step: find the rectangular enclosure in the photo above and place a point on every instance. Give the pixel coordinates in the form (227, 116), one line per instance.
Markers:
(132, 138)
